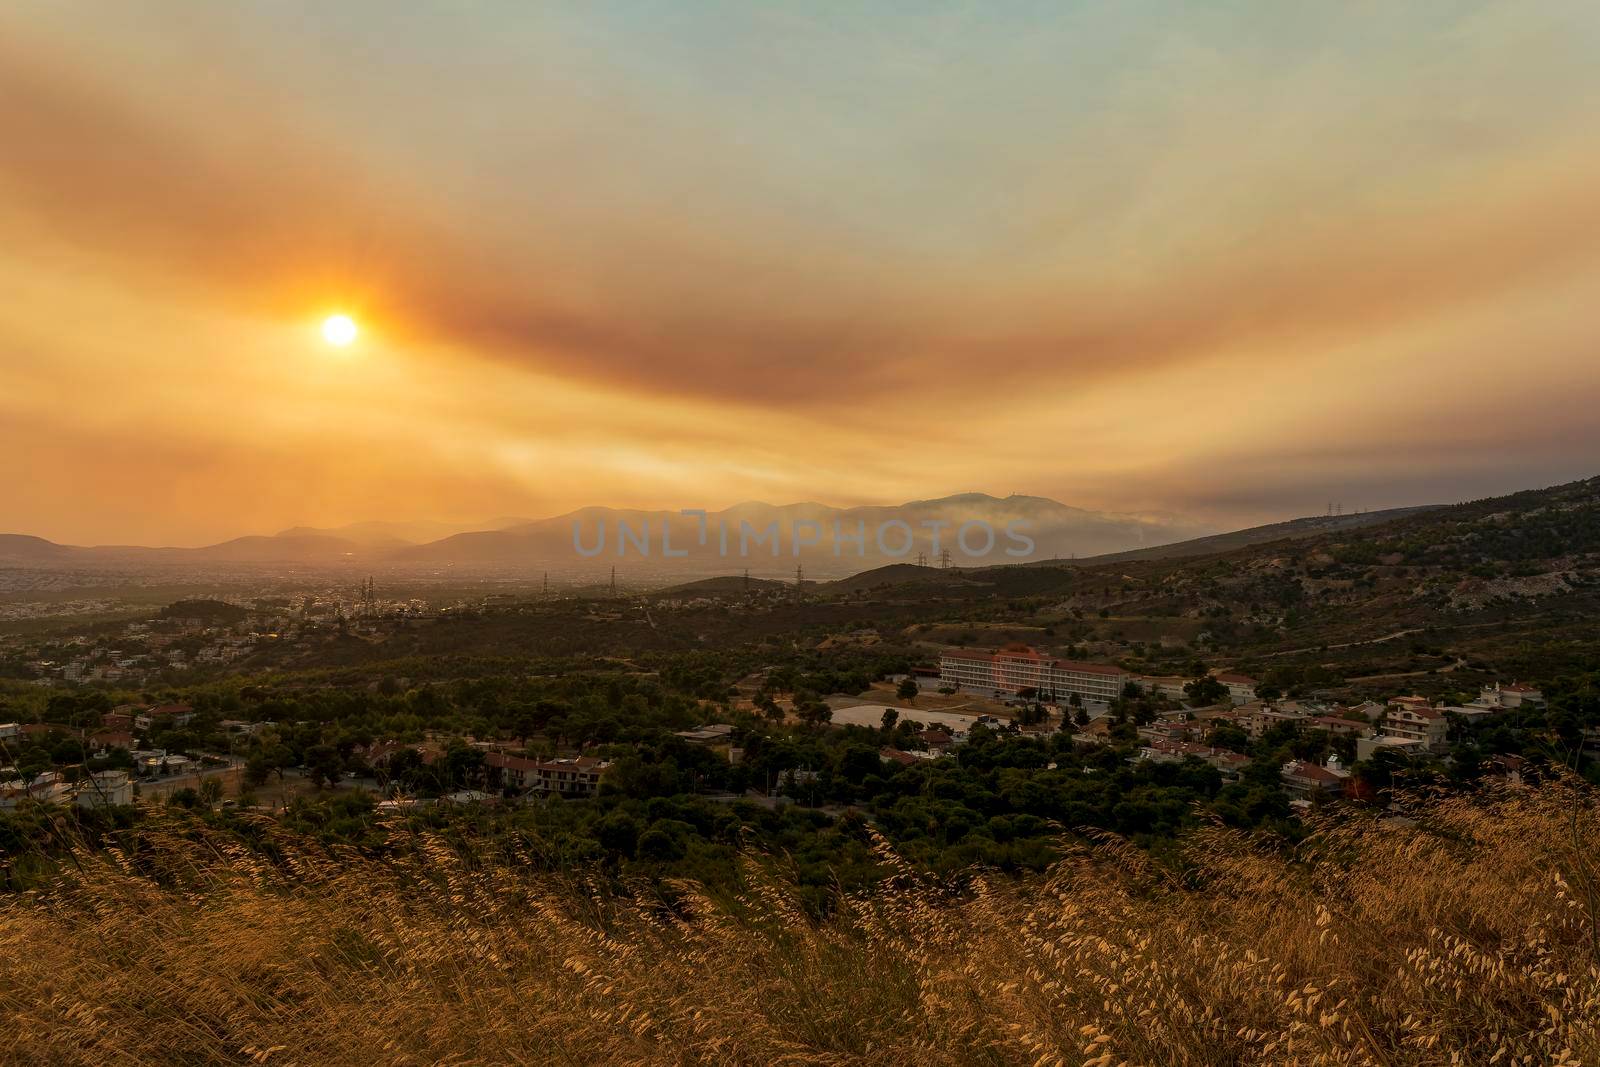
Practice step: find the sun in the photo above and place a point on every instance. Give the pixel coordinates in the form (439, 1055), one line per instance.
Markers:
(339, 330)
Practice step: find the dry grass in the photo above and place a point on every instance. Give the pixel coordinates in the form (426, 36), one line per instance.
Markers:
(1465, 939)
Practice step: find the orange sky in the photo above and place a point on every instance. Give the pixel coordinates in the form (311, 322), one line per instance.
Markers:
(1234, 262)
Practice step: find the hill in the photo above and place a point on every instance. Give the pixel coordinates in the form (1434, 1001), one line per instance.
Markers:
(1311, 526)
(25, 549)
(732, 585)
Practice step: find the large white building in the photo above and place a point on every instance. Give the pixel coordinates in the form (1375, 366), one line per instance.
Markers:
(1012, 670)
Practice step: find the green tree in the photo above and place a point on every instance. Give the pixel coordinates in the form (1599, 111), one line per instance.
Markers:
(1205, 691)
(323, 765)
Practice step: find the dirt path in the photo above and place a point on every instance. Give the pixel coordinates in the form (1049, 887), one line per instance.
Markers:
(1347, 644)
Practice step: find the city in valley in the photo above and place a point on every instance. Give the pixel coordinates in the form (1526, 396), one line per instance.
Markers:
(1258, 684)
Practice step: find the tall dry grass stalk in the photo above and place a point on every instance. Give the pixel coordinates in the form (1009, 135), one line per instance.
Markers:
(1454, 940)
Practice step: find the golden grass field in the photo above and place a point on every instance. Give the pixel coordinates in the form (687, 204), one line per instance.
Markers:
(1469, 937)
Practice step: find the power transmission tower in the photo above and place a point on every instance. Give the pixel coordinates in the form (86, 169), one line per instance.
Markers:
(613, 580)
(944, 559)
(922, 559)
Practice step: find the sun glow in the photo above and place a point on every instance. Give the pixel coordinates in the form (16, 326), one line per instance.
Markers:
(339, 330)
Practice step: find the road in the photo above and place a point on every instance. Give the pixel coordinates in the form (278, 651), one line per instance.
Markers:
(1347, 644)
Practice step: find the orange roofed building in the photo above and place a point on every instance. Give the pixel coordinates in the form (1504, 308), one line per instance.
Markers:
(579, 777)
(1018, 667)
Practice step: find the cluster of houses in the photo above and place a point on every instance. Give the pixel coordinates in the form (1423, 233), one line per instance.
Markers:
(144, 650)
(1407, 725)
(568, 776)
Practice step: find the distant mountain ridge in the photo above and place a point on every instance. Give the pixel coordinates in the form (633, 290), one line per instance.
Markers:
(1055, 529)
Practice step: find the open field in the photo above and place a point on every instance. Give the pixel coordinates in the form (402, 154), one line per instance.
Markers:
(852, 714)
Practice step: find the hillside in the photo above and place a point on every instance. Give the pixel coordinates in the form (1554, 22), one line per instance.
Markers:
(733, 585)
(1311, 526)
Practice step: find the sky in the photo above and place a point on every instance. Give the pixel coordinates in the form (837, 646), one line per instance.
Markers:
(1233, 261)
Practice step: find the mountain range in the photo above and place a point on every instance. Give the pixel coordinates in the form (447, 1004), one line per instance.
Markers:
(509, 545)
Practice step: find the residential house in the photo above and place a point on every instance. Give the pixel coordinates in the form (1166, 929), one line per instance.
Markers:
(1367, 747)
(109, 739)
(164, 715)
(1410, 721)
(1167, 730)
(717, 733)
(578, 776)
(1168, 751)
(1306, 779)
(47, 787)
(1241, 687)
(1259, 717)
(1338, 726)
(105, 789)
(1510, 696)
(1507, 766)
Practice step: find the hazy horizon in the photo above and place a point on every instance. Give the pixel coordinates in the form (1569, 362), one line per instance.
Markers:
(1230, 262)
(451, 527)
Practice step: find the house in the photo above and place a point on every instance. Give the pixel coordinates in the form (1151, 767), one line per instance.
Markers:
(1370, 710)
(10, 730)
(1510, 696)
(1166, 730)
(1337, 726)
(466, 796)
(120, 718)
(1258, 718)
(895, 755)
(105, 789)
(579, 776)
(1241, 687)
(109, 739)
(1408, 720)
(47, 787)
(172, 715)
(1306, 779)
(937, 740)
(1164, 751)
(1367, 747)
(1163, 685)
(717, 733)
(1507, 766)
(1473, 712)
